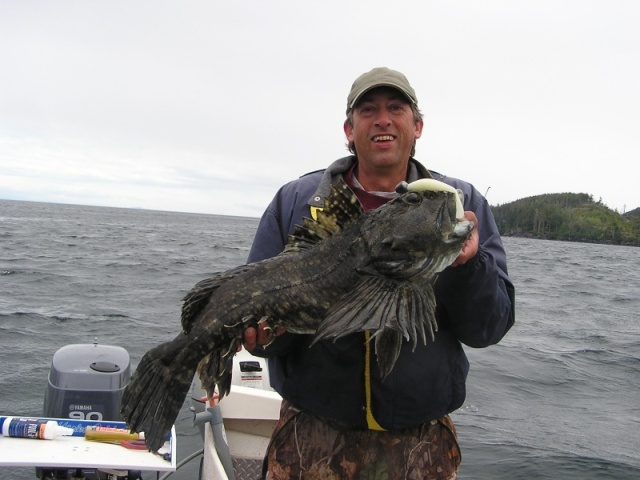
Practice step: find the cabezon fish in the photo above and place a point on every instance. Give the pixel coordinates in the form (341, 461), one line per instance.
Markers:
(346, 271)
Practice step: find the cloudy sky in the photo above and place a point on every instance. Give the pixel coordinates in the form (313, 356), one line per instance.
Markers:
(210, 106)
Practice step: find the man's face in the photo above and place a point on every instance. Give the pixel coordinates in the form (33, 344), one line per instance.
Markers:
(384, 129)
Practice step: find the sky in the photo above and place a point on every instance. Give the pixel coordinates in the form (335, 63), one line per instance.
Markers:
(211, 106)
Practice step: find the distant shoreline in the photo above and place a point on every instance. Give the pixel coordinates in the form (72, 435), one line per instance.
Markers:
(530, 236)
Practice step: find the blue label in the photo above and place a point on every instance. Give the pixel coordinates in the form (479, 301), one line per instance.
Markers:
(78, 426)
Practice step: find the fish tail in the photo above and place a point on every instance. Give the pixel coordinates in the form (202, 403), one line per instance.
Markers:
(153, 398)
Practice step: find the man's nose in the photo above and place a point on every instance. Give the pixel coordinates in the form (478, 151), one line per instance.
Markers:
(382, 118)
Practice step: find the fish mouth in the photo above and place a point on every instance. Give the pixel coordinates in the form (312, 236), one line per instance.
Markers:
(462, 229)
(451, 228)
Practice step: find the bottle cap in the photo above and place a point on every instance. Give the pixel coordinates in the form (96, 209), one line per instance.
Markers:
(53, 430)
(64, 431)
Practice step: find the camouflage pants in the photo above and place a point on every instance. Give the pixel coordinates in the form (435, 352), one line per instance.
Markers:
(306, 447)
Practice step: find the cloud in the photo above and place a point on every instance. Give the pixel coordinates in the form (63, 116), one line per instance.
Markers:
(210, 107)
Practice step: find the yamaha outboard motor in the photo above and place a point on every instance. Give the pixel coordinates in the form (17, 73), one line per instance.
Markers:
(86, 382)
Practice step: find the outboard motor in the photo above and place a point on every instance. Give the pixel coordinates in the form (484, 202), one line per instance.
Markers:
(86, 382)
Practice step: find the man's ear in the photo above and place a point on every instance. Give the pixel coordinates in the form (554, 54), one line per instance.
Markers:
(348, 130)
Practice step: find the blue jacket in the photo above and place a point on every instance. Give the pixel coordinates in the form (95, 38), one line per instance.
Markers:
(339, 380)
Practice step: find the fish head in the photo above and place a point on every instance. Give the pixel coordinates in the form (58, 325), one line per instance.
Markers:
(417, 233)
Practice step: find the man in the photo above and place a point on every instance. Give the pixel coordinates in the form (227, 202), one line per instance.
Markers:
(338, 418)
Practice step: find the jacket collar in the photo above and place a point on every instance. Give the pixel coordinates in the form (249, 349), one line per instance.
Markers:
(334, 171)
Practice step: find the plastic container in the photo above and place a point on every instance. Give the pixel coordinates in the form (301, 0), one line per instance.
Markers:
(35, 428)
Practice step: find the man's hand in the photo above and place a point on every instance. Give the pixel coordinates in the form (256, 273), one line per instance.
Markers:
(263, 335)
(470, 247)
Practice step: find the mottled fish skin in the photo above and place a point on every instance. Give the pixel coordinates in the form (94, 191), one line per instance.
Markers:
(345, 272)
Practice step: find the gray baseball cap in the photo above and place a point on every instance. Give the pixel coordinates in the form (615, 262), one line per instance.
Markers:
(380, 77)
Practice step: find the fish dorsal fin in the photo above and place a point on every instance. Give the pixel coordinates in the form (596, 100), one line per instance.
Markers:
(341, 208)
(390, 309)
(198, 297)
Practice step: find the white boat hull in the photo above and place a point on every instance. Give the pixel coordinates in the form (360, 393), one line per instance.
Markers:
(249, 413)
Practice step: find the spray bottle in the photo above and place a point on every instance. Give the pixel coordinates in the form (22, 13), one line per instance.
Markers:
(24, 427)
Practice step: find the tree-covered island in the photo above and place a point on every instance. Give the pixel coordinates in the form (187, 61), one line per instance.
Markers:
(568, 216)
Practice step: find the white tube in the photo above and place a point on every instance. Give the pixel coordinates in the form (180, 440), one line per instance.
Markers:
(433, 185)
(23, 427)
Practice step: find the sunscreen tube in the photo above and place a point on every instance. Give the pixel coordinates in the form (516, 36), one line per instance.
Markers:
(24, 427)
(108, 434)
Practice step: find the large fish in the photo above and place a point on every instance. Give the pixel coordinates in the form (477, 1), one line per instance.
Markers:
(345, 272)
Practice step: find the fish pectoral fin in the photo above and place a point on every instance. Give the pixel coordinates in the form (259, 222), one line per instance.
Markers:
(392, 310)
(377, 304)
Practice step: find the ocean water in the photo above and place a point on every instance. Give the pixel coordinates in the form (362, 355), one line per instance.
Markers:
(558, 398)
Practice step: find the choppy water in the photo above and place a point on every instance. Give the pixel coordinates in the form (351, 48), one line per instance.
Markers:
(558, 398)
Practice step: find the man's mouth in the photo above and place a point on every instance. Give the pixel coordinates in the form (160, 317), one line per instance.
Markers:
(383, 138)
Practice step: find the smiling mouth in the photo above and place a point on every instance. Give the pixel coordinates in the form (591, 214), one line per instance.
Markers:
(383, 138)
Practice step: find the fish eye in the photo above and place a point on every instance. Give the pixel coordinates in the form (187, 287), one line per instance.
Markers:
(413, 198)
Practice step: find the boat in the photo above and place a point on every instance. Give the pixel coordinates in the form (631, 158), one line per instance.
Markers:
(85, 387)
(236, 430)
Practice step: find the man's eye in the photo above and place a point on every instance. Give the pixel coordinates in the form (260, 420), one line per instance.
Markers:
(366, 109)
